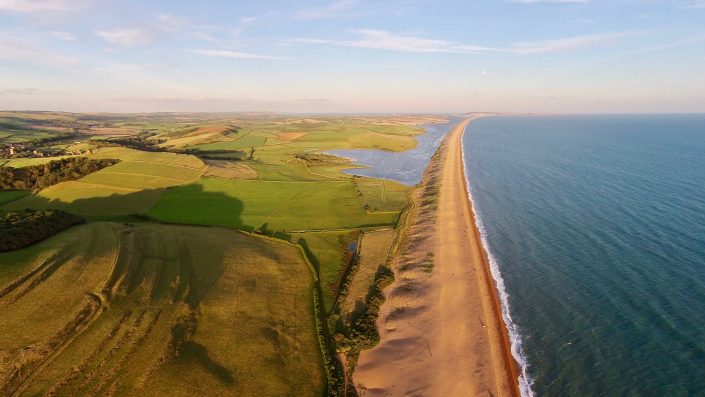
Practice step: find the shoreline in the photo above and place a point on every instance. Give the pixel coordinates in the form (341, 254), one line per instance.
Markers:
(511, 365)
(441, 329)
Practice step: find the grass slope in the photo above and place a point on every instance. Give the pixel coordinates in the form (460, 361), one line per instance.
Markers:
(157, 310)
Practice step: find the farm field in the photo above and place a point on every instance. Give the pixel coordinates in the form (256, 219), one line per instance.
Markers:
(154, 309)
(269, 205)
(26, 162)
(131, 186)
(163, 291)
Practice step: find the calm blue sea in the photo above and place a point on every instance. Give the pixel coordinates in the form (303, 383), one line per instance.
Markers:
(597, 225)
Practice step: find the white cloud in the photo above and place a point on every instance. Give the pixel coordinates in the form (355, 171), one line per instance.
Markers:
(29, 6)
(566, 44)
(164, 26)
(697, 4)
(332, 10)
(65, 36)
(235, 54)
(20, 49)
(20, 91)
(686, 41)
(127, 72)
(383, 40)
(125, 37)
(248, 20)
(548, 1)
(43, 7)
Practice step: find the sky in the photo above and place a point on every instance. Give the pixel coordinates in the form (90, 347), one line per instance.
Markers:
(340, 56)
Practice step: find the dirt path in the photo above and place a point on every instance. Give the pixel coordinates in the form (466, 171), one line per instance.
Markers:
(441, 329)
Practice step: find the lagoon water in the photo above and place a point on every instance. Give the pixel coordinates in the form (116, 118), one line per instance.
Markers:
(405, 167)
(597, 224)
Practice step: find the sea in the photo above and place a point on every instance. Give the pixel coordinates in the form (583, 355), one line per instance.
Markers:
(595, 226)
(595, 229)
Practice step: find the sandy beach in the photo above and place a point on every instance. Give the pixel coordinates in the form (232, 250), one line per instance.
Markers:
(441, 328)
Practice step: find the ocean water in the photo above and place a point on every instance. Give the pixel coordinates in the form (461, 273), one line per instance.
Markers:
(405, 167)
(597, 226)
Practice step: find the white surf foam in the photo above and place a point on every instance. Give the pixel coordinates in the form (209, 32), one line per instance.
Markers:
(524, 380)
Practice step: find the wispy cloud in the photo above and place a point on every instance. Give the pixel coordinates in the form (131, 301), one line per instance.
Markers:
(383, 40)
(548, 1)
(24, 50)
(694, 39)
(65, 36)
(125, 37)
(167, 26)
(236, 54)
(30, 6)
(332, 10)
(566, 44)
(694, 4)
(20, 91)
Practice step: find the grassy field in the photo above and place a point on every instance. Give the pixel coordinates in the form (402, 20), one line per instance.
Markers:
(114, 308)
(382, 195)
(374, 250)
(331, 252)
(244, 142)
(26, 162)
(319, 134)
(131, 186)
(7, 196)
(270, 205)
(157, 310)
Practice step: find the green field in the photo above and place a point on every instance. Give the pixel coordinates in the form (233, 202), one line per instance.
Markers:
(270, 205)
(157, 310)
(374, 251)
(159, 293)
(131, 186)
(244, 142)
(330, 251)
(319, 134)
(26, 162)
(7, 196)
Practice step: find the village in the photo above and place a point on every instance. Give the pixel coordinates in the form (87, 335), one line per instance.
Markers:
(29, 150)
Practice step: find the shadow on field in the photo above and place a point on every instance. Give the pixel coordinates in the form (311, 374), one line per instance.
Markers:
(198, 353)
(194, 207)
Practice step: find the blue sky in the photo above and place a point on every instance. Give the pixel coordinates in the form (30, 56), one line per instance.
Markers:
(353, 55)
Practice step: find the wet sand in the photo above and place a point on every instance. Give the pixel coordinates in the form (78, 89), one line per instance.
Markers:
(441, 329)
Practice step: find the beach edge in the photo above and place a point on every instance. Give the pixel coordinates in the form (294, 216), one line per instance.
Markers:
(512, 367)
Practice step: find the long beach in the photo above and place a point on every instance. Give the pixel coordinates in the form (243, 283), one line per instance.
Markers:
(441, 329)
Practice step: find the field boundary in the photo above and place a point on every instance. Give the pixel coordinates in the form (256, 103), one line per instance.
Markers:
(327, 358)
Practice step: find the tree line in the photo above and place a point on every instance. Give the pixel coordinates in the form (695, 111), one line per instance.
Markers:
(38, 177)
(24, 228)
